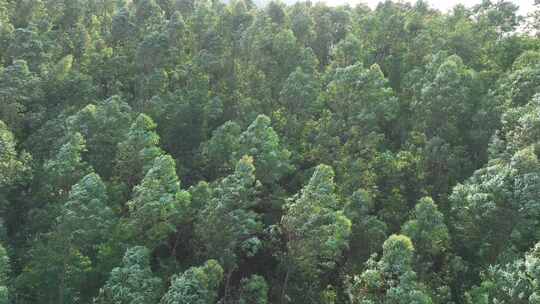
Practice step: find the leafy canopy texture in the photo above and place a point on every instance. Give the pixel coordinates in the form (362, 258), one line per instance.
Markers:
(229, 225)
(11, 164)
(267, 151)
(133, 282)
(157, 204)
(198, 285)
(314, 223)
(391, 279)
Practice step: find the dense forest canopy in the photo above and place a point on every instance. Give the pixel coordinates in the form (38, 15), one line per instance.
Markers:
(202, 152)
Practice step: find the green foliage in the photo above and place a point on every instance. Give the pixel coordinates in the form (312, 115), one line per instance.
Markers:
(152, 51)
(67, 167)
(360, 98)
(197, 285)
(133, 282)
(66, 256)
(64, 281)
(431, 240)
(102, 125)
(298, 100)
(315, 227)
(219, 151)
(445, 104)
(254, 290)
(86, 217)
(391, 279)
(19, 89)
(427, 230)
(158, 204)
(515, 282)
(368, 232)
(12, 165)
(62, 68)
(137, 152)
(262, 143)
(228, 225)
(501, 194)
(430, 120)
(4, 275)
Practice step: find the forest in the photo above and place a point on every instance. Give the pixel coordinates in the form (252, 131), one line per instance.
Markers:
(210, 152)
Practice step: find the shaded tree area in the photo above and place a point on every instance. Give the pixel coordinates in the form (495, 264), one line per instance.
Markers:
(202, 152)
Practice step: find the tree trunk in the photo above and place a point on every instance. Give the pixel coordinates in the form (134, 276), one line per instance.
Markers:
(173, 250)
(227, 286)
(62, 283)
(285, 282)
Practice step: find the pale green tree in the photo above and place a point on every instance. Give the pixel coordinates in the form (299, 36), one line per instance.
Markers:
(133, 282)
(197, 285)
(315, 228)
(158, 204)
(262, 143)
(137, 152)
(228, 226)
(103, 125)
(391, 280)
(12, 163)
(63, 261)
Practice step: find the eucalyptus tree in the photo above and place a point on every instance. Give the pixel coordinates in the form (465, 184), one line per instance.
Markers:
(197, 285)
(315, 229)
(133, 282)
(228, 226)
